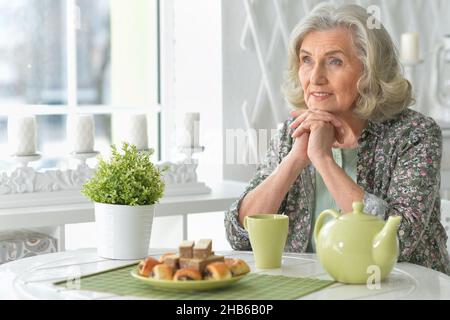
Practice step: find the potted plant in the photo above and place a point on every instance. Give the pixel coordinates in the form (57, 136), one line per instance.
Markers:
(124, 190)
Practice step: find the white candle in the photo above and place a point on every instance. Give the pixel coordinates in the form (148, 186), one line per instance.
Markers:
(410, 47)
(22, 135)
(137, 131)
(81, 132)
(190, 130)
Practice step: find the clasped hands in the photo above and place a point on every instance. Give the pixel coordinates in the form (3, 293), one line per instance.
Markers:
(316, 132)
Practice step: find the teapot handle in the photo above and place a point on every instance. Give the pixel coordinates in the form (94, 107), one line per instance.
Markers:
(320, 220)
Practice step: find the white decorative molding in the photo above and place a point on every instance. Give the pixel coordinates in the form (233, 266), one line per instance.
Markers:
(180, 178)
(179, 172)
(28, 180)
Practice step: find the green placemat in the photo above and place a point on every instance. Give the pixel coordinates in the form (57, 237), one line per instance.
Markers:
(253, 287)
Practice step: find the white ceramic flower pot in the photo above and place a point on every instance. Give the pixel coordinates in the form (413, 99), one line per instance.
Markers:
(123, 232)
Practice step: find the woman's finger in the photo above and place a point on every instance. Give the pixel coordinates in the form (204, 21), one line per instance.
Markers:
(326, 118)
(322, 112)
(299, 120)
(299, 132)
(303, 128)
(295, 113)
(340, 134)
(337, 122)
(318, 115)
(328, 115)
(306, 126)
(317, 125)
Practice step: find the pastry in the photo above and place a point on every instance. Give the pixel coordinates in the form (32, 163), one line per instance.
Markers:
(162, 272)
(184, 263)
(200, 264)
(237, 266)
(202, 249)
(145, 267)
(217, 271)
(172, 261)
(187, 275)
(186, 248)
(165, 255)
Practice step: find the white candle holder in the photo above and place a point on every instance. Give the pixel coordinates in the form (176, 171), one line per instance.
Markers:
(25, 160)
(83, 157)
(181, 176)
(188, 152)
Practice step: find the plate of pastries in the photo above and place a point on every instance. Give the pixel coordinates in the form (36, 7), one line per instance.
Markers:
(194, 267)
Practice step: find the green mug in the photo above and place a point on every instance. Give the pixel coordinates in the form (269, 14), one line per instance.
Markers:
(268, 234)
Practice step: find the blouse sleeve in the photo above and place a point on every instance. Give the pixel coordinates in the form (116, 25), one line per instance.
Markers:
(414, 186)
(375, 205)
(237, 236)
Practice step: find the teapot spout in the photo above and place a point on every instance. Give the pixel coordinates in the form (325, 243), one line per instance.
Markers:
(385, 243)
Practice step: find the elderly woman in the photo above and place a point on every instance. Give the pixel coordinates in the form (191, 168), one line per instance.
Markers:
(351, 138)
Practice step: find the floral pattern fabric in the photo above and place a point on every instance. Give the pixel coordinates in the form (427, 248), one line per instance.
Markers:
(24, 243)
(399, 169)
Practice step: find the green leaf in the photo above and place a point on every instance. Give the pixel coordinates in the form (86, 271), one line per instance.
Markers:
(127, 178)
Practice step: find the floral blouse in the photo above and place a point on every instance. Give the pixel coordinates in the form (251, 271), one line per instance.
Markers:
(399, 169)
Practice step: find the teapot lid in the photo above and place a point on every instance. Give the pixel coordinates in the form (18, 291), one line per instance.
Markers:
(358, 214)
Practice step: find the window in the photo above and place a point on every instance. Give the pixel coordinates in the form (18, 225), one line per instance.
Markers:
(59, 58)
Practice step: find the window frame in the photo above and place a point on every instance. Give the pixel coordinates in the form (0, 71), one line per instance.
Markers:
(71, 107)
(166, 79)
(39, 199)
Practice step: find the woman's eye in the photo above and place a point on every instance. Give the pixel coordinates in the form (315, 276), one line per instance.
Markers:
(306, 59)
(335, 61)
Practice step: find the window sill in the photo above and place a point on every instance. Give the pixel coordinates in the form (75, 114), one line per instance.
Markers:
(56, 208)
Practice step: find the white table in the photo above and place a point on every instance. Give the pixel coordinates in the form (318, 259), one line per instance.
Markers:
(32, 278)
(55, 217)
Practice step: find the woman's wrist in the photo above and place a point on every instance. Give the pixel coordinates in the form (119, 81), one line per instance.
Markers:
(321, 163)
(295, 163)
(268, 195)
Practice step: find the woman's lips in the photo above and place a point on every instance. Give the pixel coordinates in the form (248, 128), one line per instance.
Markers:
(320, 96)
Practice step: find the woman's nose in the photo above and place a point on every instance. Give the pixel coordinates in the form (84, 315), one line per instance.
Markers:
(318, 75)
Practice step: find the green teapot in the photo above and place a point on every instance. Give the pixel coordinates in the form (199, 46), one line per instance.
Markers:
(354, 246)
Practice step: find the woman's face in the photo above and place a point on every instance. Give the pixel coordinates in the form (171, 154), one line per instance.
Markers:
(329, 70)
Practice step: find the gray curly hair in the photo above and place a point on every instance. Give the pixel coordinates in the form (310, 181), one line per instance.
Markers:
(383, 90)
